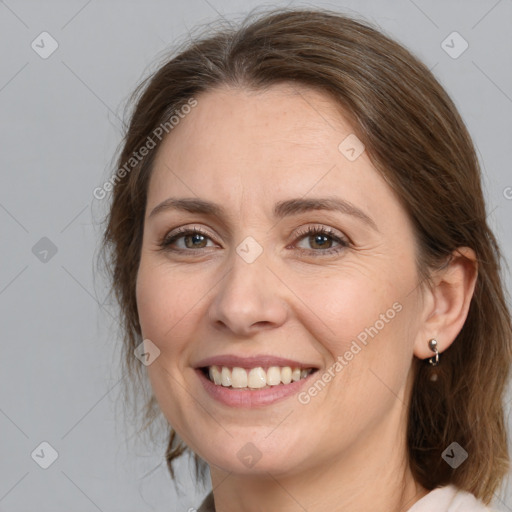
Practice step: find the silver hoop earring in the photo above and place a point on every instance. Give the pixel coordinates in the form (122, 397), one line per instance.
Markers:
(434, 361)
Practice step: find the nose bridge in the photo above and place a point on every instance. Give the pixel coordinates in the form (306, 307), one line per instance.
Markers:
(246, 295)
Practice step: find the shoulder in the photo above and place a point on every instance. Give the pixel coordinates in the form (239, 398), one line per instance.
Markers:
(449, 499)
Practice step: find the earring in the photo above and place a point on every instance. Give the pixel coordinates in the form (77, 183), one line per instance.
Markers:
(434, 361)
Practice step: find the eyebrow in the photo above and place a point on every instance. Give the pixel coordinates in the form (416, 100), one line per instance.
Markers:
(281, 209)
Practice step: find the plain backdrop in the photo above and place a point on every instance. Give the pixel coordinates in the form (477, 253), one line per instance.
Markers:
(60, 124)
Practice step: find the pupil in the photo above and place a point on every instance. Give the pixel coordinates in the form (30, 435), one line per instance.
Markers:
(320, 239)
(196, 238)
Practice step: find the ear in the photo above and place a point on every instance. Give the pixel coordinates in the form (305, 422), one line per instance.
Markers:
(447, 303)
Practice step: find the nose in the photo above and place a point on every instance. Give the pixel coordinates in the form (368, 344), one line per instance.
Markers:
(249, 298)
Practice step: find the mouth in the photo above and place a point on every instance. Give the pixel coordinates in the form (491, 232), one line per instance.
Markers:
(255, 378)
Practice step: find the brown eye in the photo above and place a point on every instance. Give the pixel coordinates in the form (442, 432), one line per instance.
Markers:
(321, 239)
(192, 239)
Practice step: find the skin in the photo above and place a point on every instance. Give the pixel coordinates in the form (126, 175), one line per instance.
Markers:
(345, 449)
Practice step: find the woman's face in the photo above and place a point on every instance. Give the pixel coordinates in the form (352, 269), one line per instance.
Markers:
(257, 285)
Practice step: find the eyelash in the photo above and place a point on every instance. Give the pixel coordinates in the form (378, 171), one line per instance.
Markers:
(166, 242)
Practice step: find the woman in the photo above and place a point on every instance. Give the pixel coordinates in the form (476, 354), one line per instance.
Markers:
(298, 243)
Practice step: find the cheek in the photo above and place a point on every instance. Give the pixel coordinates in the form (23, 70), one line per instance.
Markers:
(365, 326)
(171, 305)
(349, 308)
(165, 309)
(163, 300)
(152, 303)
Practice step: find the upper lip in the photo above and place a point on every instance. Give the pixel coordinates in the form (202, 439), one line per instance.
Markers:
(230, 361)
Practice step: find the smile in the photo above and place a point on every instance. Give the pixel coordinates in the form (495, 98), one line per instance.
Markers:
(254, 378)
(252, 381)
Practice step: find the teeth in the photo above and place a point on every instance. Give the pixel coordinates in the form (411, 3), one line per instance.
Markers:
(225, 376)
(215, 375)
(286, 375)
(274, 376)
(238, 377)
(256, 378)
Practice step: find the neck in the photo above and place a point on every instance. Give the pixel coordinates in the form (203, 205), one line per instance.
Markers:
(371, 474)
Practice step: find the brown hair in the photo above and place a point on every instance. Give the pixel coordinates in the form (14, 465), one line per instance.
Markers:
(415, 137)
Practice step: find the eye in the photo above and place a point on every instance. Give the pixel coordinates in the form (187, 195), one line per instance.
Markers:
(193, 238)
(321, 239)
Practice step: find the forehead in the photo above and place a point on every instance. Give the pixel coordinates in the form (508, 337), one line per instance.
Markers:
(263, 145)
(282, 117)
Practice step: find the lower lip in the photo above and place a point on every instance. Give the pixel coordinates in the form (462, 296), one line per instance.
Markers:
(251, 397)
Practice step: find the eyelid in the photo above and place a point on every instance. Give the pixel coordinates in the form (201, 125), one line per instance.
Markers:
(298, 234)
(184, 230)
(308, 228)
(338, 237)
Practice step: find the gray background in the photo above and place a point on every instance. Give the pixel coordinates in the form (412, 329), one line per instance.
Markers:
(60, 124)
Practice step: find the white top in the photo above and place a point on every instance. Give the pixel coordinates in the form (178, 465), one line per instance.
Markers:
(449, 499)
(443, 499)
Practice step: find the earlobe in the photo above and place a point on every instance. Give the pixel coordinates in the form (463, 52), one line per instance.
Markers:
(451, 294)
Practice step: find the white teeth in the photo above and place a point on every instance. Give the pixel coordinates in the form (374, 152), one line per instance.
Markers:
(274, 376)
(215, 375)
(238, 377)
(255, 378)
(225, 376)
(286, 375)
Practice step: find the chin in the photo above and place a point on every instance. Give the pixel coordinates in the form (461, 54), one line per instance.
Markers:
(262, 466)
(252, 457)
